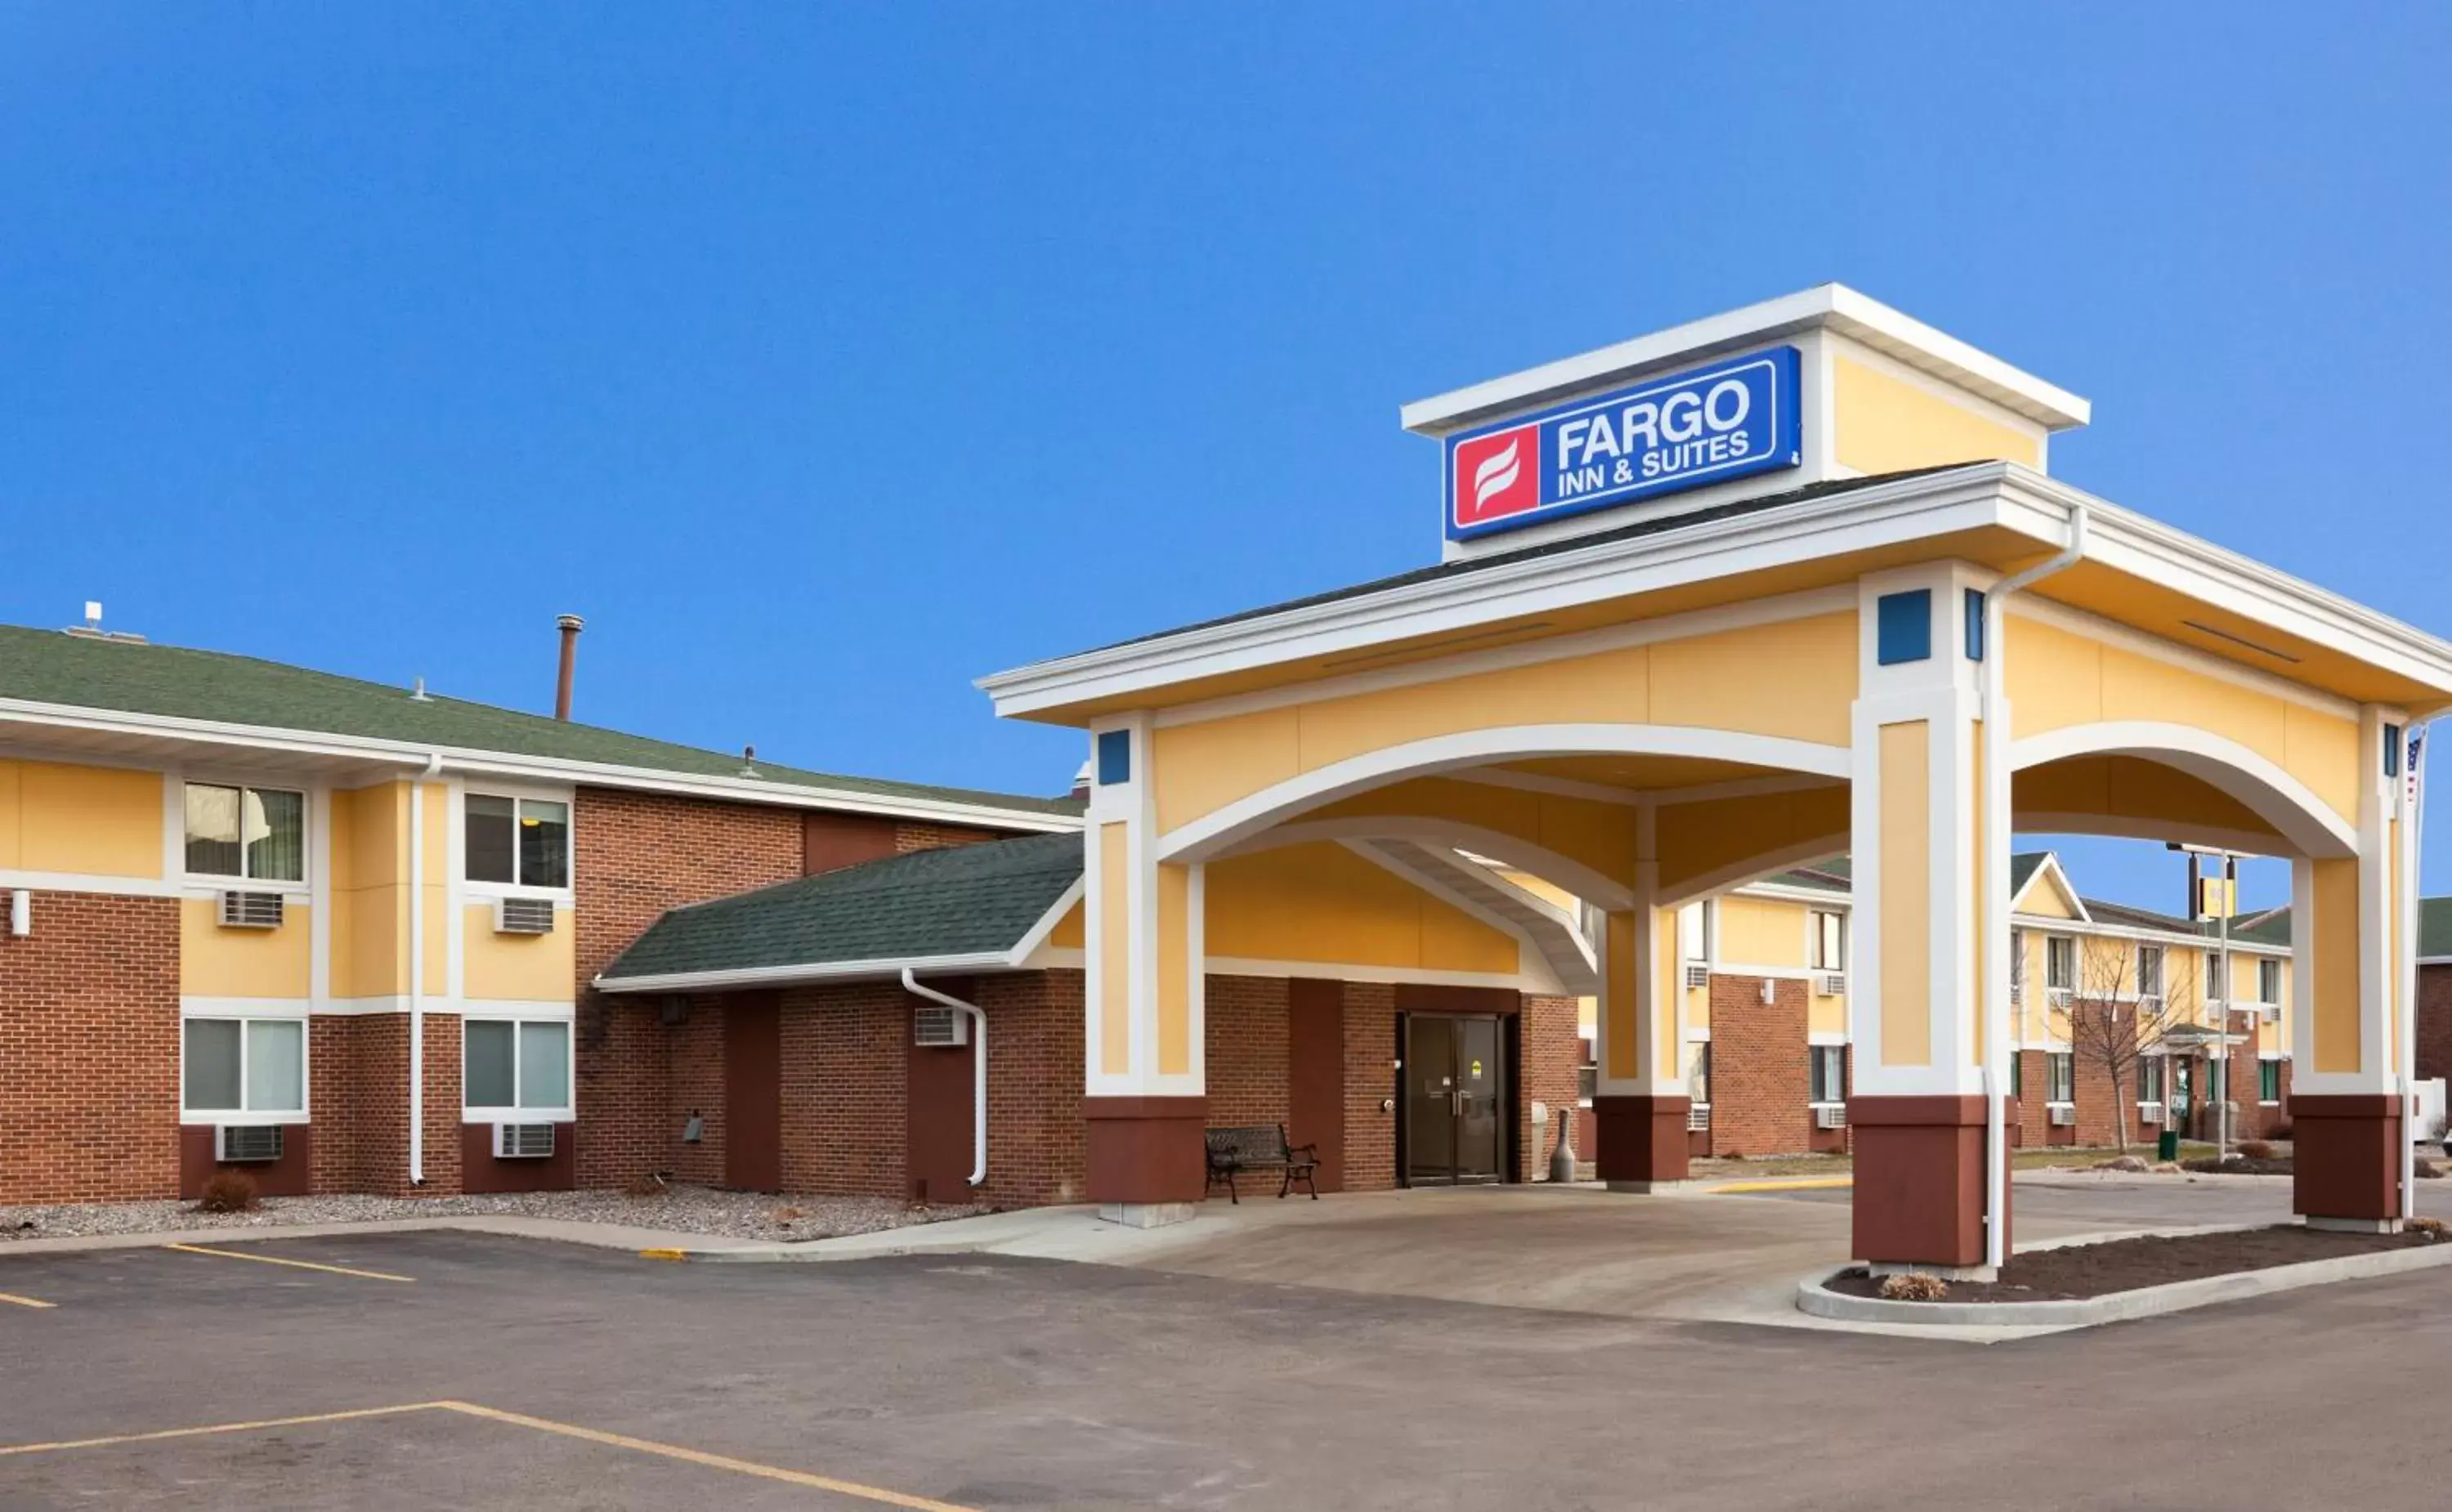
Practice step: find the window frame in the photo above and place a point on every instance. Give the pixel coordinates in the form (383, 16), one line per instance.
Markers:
(2162, 959)
(2154, 1065)
(481, 1113)
(2268, 967)
(2269, 1068)
(2059, 1073)
(243, 1017)
(1698, 1047)
(2069, 943)
(517, 793)
(1829, 939)
(1818, 1058)
(240, 882)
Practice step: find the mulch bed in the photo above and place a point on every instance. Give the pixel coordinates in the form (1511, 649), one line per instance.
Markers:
(2239, 1166)
(2125, 1264)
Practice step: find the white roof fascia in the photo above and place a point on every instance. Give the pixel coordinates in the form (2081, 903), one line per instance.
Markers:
(1833, 305)
(494, 763)
(801, 974)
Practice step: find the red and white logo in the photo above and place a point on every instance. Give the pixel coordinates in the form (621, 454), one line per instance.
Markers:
(1497, 474)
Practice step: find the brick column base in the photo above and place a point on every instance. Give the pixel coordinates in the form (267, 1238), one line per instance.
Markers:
(2346, 1160)
(1639, 1143)
(1144, 1161)
(1919, 1194)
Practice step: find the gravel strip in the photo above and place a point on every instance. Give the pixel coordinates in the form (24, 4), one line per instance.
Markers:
(688, 1209)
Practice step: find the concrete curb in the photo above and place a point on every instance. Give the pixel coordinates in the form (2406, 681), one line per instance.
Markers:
(1815, 1298)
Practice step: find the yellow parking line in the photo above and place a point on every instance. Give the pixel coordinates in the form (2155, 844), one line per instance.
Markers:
(13, 1298)
(715, 1462)
(1809, 1183)
(260, 1424)
(664, 1254)
(277, 1259)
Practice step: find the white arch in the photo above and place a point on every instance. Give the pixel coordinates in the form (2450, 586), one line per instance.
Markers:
(2305, 820)
(1593, 887)
(1246, 817)
(1754, 868)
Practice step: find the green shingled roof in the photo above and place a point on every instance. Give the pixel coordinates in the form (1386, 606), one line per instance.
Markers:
(45, 666)
(2434, 925)
(963, 900)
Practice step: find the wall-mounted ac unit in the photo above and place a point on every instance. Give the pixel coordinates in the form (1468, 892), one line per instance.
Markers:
(2231, 1108)
(1831, 1115)
(2017, 994)
(522, 1140)
(2150, 1112)
(523, 915)
(1831, 983)
(2064, 1115)
(2269, 1014)
(934, 1026)
(250, 910)
(247, 1142)
(1698, 1118)
(1698, 973)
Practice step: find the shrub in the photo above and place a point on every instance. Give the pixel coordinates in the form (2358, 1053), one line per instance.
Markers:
(2432, 1228)
(227, 1191)
(2280, 1130)
(1914, 1287)
(788, 1213)
(2255, 1150)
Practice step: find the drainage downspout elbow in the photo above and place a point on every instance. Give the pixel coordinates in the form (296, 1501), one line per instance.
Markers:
(912, 985)
(1996, 891)
(416, 968)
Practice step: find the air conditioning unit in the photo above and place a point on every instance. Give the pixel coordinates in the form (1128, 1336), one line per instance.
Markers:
(2058, 996)
(2231, 1108)
(2017, 994)
(1698, 1118)
(1831, 983)
(1698, 973)
(2150, 1112)
(1831, 1115)
(936, 1026)
(2064, 1115)
(247, 1142)
(522, 1140)
(523, 915)
(2269, 1014)
(250, 910)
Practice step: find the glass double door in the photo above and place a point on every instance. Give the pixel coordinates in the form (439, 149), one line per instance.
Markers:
(1455, 1099)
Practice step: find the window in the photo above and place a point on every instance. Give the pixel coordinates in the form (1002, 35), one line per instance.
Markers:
(2269, 1081)
(1698, 1074)
(2149, 970)
(2017, 958)
(2269, 981)
(243, 1065)
(2060, 963)
(257, 833)
(1588, 1074)
(2063, 1066)
(1828, 1068)
(521, 841)
(2149, 1078)
(1829, 943)
(2017, 1074)
(1694, 926)
(2214, 992)
(518, 1066)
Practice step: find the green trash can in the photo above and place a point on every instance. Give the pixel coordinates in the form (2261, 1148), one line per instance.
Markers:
(2166, 1144)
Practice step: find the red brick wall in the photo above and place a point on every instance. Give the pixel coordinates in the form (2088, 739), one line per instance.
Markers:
(89, 1050)
(843, 1077)
(910, 835)
(2434, 1022)
(1035, 1067)
(1761, 1079)
(1247, 1051)
(1550, 1050)
(635, 855)
(1370, 1082)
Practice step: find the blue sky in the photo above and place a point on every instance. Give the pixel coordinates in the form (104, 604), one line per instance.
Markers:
(827, 358)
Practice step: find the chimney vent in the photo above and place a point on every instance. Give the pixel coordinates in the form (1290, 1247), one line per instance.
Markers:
(571, 625)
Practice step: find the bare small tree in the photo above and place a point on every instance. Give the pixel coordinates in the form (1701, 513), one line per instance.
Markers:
(2112, 1025)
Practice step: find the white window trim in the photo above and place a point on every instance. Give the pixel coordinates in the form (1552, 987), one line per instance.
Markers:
(2069, 986)
(176, 787)
(566, 1113)
(1815, 1049)
(242, 1016)
(472, 888)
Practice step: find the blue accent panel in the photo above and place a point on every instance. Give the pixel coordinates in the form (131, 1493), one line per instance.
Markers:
(1115, 757)
(1974, 624)
(1905, 627)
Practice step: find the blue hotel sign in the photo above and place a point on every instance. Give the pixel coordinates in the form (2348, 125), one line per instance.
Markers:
(1705, 425)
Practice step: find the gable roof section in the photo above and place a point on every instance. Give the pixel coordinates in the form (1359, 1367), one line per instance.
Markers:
(47, 669)
(972, 907)
(2027, 867)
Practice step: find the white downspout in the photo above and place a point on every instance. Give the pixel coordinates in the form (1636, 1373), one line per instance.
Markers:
(417, 969)
(2412, 798)
(979, 1069)
(1997, 938)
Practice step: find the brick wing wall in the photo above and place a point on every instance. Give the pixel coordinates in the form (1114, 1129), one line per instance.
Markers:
(89, 1050)
(1551, 1048)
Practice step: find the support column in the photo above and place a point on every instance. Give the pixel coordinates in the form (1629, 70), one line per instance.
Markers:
(1640, 1099)
(1144, 1101)
(1917, 1016)
(2350, 986)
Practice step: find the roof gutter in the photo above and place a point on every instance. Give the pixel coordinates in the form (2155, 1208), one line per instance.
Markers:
(1995, 799)
(979, 1069)
(803, 973)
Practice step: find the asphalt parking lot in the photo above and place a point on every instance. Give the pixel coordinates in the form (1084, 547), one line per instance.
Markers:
(490, 1372)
